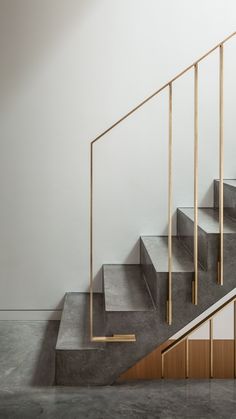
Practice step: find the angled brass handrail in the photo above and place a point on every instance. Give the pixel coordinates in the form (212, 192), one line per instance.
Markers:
(162, 88)
(185, 337)
(125, 338)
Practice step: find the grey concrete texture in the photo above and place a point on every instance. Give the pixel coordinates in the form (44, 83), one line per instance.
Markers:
(135, 296)
(143, 400)
(229, 188)
(27, 353)
(27, 390)
(125, 289)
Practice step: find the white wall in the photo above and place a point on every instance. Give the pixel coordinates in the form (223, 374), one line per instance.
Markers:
(69, 69)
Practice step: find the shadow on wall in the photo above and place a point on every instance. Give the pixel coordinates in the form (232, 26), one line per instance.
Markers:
(29, 31)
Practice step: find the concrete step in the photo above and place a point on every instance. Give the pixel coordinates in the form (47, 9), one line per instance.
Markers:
(229, 196)
(125, 289)
(154, 262)
(208, 234)
(77, 359)
(157, 249)
(127, 299)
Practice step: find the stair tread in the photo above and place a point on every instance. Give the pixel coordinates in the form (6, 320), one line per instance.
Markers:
(229, 182)
(157, 248)
(208, 220)
(125, 289)
(74, 326)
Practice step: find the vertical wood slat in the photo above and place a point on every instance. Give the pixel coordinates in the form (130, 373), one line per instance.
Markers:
(170, 198)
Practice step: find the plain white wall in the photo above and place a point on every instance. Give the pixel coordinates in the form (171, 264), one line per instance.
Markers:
(69, 69)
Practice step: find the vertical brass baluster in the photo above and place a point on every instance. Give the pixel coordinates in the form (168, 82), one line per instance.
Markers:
(169, 301)
(221, 166)
(234, 338)
(211, 360)
(91, 246)
(186, 357)
(195, 282)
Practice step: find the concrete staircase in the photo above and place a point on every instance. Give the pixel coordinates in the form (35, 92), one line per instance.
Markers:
(134, 297)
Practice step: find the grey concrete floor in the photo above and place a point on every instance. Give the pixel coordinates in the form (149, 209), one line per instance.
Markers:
(27, 390)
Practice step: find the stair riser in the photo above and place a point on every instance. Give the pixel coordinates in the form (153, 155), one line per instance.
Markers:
(74, 368)
(229, 199)
(127, 323)
(185, 231)
(208, 246)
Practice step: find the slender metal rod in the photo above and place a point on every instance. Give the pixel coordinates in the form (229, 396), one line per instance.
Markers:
(195, 284)
(162, 88)
(211, 366)
(162, 366)
(186, 357)
(169, 301)
(234, 339)
(115, 337)
(91, 247)
(221, 166)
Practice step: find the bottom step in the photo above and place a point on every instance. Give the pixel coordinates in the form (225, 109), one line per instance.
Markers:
(77, 359)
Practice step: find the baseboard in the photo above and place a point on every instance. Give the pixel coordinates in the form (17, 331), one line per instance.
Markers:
(30, 314)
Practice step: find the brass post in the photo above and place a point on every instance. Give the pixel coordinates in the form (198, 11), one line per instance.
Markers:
(169, 301)
(211, 360)
(221, 166)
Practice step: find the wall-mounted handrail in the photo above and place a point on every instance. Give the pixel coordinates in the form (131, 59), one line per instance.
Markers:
(117, 338)
(185, 337)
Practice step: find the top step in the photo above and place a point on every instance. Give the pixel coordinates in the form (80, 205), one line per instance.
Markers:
(208, 220)
(125, 289)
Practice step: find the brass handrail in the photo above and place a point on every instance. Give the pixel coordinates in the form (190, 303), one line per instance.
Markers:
(162, 88)
(122, 338)
(185, 337)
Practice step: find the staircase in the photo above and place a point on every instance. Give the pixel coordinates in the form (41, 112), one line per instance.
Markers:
(134, 296)
(103, 334)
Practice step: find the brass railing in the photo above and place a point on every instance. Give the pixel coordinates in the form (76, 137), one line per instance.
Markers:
(186, 335)
(169, 85)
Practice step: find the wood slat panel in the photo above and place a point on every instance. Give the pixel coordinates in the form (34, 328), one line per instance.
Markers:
(149, 368)
(199, 358)
(223, 352)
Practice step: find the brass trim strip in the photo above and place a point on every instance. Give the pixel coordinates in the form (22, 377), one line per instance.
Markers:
(221, 165)
(114, 338)
(170, 198)
(195, 285)
(211, 355)
(186, 357)
(162, 365)
(163, 87)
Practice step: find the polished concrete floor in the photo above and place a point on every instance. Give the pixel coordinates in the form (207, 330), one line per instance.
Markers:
(27, 391)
